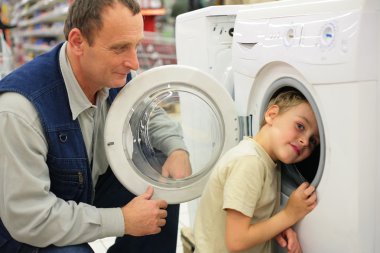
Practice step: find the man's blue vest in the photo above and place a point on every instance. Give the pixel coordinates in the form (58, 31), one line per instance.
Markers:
(41, 82)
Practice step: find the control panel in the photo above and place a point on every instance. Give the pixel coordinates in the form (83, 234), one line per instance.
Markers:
(222, 29)
(219, 49)
(327, 35)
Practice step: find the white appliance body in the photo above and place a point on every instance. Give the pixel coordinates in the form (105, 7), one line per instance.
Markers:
(204, 41)
(329, 50)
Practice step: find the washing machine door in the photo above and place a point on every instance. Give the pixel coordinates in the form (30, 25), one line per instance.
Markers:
(169, 108)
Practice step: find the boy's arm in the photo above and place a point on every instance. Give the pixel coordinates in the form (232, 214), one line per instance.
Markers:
(241, 234)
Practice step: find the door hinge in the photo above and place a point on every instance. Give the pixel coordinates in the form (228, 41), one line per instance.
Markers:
(245, 124)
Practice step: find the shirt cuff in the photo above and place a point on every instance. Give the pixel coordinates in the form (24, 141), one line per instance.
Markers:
(112, 222)
(173, 144)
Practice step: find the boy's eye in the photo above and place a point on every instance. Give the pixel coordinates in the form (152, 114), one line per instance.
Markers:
(313, 142)
(300, 126)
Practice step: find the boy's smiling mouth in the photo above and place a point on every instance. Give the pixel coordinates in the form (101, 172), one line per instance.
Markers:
(296, 149)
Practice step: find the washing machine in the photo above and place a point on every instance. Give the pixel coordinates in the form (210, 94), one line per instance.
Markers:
(327, 49)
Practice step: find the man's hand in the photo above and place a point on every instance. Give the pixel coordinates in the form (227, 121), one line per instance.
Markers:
(289, 239)
(143, 216)
(177, 165)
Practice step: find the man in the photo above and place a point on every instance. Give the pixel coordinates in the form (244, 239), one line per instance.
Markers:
(52, 114)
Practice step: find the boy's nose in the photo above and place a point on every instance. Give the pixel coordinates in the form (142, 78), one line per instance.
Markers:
(304, 140)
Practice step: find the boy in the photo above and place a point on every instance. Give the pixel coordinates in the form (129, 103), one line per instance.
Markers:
(238, 208)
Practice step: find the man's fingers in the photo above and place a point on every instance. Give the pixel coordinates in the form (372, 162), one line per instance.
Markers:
(156, 231)
(162, 204)
(148, 193)
(161, 222)
(165, 171)
(163, 213)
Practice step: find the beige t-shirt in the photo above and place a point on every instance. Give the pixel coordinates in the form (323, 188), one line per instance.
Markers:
(247, 180)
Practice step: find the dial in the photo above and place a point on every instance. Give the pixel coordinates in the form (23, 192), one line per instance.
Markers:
(328, 35)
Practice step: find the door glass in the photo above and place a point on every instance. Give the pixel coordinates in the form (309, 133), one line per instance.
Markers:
(170, 118)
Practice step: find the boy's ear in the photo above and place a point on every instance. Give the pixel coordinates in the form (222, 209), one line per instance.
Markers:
(271, 113)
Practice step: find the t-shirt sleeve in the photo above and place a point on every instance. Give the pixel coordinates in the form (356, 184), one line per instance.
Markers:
(244, 182)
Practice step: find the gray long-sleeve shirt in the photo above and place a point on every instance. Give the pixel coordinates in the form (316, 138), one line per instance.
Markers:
(31, 213)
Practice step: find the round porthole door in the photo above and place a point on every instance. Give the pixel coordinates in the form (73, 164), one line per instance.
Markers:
(274, 78)
(163, 110)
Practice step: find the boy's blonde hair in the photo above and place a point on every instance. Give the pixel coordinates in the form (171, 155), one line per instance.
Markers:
(285, 100)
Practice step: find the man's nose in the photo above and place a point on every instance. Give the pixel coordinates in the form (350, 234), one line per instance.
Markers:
(132, 61)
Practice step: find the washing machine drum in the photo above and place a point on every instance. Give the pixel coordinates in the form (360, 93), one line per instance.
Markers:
(164, 109)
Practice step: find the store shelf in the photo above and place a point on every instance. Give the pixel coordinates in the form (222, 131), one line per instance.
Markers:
(37, 48)
(153, 12)
(23, 2)
(44, 32)
(40, 5)
(56, 15)
(156, 50)
(40, 27)
(41, 22)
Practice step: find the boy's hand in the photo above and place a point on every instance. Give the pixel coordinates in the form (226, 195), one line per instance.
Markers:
(301, 202)
(289, 239)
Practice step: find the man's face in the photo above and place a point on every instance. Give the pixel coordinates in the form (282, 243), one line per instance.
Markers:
(113, 54)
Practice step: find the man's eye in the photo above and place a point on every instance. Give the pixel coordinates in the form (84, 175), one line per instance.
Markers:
(119, 50)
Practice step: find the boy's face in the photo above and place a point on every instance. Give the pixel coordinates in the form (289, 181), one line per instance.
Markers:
(294, 133)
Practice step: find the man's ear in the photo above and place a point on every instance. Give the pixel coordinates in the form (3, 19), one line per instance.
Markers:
(76, 41)
(271, 113)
